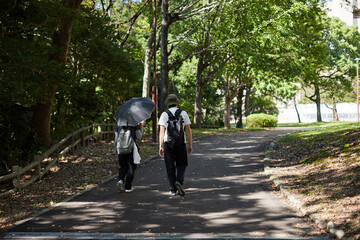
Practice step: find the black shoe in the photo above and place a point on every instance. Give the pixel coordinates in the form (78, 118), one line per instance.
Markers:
(179, 189)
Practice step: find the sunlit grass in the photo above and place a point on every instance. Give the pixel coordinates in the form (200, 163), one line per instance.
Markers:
(314, 124)
(324, 143)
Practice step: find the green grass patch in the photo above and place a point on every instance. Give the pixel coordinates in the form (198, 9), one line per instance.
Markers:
(314, 124)
(324, 143)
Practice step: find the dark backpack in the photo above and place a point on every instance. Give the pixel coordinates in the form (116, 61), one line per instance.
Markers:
(125, 140)
(175, 128)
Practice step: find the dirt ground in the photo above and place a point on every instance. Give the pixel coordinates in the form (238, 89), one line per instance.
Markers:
(324, 176)
(88, 166)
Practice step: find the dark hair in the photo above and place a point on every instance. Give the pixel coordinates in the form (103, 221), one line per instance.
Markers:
(172, 105)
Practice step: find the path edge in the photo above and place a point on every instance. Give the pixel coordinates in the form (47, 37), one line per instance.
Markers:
(45, 210)
(329, 226)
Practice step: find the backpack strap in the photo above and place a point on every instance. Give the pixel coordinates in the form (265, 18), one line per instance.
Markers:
(171, 116)
(177, 113)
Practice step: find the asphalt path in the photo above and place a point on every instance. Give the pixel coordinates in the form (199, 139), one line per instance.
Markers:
(227, 197)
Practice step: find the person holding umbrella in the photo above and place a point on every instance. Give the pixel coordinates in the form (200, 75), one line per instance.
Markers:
(128, 129)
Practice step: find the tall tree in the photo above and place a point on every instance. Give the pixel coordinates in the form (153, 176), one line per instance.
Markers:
(337, 75)
(179, 11)
(61, 42)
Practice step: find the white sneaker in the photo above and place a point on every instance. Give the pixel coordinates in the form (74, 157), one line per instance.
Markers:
(120, 186)
(129, 190)
(172, 193)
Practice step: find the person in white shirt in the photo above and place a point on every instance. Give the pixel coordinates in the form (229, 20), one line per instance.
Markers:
(176, 156)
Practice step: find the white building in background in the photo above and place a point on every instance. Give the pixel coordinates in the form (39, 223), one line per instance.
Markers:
(346, 10)
(287, 114)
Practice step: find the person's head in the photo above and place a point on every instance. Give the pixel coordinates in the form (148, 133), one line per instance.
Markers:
(172, 101)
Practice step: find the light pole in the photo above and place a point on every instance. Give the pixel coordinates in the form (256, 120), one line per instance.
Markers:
(357, 86)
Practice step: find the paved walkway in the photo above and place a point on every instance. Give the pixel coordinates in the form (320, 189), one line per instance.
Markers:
(227, 197)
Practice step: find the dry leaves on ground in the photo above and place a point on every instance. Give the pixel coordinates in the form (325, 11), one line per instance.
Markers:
(88, 166)
(324, 173)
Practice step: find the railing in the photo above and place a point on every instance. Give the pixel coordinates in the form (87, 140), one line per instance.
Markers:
(24, 176)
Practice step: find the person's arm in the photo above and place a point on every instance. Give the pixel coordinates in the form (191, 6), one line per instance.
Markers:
(189, 138)
(116, 131)
(161, 140)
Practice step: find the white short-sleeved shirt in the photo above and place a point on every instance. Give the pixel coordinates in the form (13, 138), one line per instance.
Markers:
(163, 121)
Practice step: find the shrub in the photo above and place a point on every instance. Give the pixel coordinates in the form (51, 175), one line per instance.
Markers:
(261, 120)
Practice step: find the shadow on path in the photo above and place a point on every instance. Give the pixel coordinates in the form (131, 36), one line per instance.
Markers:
(226, 192)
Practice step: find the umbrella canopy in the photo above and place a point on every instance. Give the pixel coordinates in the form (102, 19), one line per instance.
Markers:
(134, 111)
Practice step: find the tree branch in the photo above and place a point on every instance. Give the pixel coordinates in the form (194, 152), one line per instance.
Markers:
(132, 22)
(111, 3)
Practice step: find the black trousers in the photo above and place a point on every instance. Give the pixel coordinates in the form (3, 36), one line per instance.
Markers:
(127, 169)
(176, 161)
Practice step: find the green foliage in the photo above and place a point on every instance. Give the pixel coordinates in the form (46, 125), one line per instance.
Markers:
(26, 70)
(260, 120)
(271, 46)
(263, 104)
(98, 77)
(27, 28)
(187, 106)
(17, 137)
(339, 72)
(292, 48)
(214, 119)
(103, 75)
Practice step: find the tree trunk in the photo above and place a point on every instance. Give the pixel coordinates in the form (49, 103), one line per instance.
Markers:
(198, 93)
(297, 112)
(199, 79)
(147, 67)
(247, 102)
(164, 55)
(229, 96)
(335, 113)
(42, 118)
(61, 40)
(239, 123)
(227, 112)
(318, 106)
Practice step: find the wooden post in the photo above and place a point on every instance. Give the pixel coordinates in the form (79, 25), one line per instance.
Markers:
(37, 158)
(106, 135)
(16, 181)
(72, 142)
(91, 133)
(57, 157)
(99, 131)
(82, 136)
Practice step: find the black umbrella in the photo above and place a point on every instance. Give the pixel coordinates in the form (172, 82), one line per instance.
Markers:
(134, 111)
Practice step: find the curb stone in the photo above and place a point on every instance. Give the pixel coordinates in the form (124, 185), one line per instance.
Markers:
(329, 226)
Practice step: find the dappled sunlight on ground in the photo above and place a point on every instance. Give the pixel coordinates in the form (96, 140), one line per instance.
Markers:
(225, 193)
